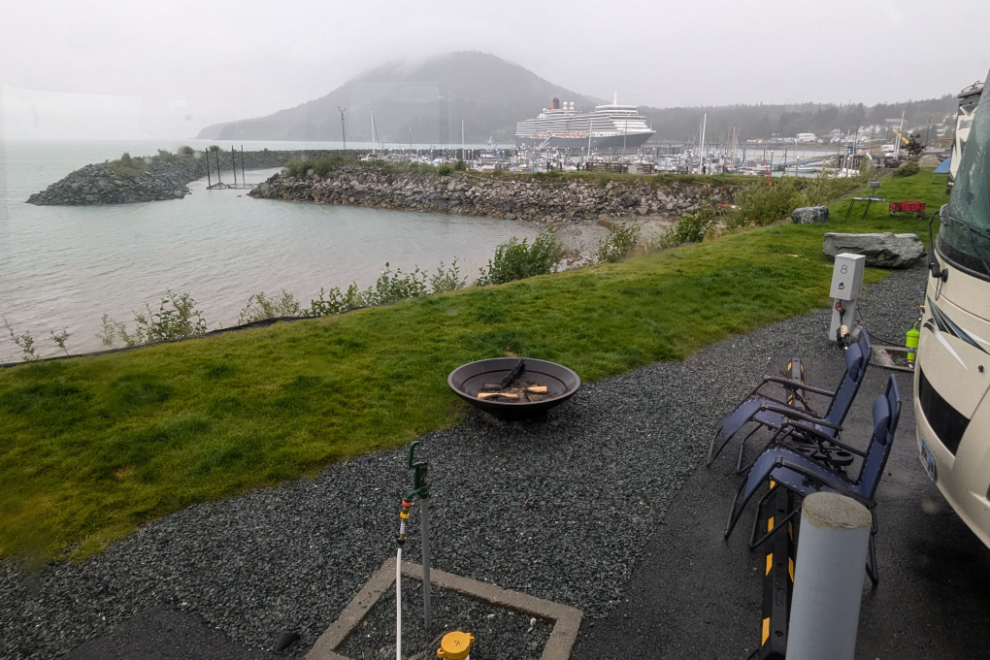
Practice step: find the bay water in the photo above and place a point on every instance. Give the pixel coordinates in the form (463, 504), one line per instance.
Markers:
(66, 266)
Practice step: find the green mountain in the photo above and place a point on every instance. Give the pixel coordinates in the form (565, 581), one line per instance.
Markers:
(429, 100)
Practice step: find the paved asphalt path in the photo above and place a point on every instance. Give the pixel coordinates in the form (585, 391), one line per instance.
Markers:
(693, 595)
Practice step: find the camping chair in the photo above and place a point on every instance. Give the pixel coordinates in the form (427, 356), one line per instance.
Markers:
(774, 414)
(781, 466)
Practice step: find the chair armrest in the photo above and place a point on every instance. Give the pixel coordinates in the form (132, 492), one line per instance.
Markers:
(837, 482)
(788, 383)
(790, 411)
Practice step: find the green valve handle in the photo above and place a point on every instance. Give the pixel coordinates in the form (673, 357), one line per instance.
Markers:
(421, 488)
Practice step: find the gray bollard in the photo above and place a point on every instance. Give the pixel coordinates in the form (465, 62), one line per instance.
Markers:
(828, 578)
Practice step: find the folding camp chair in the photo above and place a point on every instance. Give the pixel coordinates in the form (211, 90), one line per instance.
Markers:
(786, 468)
(775, 414)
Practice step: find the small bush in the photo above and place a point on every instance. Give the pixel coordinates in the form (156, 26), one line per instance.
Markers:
(447, 279)
(166, 156)
(909, 168)
(460, 165)
(764, 203)
(126, 160)
(691, 228)
(260, 307)
(621, 242)
(189, 151)
(517, 260)
(391, 287)
(445, 170)
(177, 317)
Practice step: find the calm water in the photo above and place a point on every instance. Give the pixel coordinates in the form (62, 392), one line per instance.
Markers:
(67, 266)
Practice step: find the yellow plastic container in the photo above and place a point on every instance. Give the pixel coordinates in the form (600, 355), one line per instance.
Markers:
(455, 646)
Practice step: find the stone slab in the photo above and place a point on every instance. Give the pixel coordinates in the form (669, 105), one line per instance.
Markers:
(567, 620)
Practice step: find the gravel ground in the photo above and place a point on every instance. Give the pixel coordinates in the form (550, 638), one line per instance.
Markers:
(499, 633)
(559, 509)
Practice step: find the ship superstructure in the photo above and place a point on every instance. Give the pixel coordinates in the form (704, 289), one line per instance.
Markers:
(609, 126)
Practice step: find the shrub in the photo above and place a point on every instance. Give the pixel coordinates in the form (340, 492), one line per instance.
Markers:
(909, 168)
(177, 317)
(447, 279)
(25, 342)
(460, 165)
(166, 156)
(189, 151)
(764, 203)
(445, 170)
(620, 243)
(126, 160)
(335, 302)
(691, 228)
(391, 287)
(517, 260)
(260, 307)
(296, 167)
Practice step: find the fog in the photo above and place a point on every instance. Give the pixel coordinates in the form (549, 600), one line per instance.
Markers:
(108, 68)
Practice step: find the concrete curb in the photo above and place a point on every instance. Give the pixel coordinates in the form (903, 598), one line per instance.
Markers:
(567, 620)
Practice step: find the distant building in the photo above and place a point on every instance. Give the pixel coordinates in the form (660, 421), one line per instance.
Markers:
(806, 137)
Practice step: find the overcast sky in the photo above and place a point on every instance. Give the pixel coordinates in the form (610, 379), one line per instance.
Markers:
(110, 68)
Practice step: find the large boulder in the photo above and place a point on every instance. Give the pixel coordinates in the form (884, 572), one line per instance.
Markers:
(881, 250)
(807, 215)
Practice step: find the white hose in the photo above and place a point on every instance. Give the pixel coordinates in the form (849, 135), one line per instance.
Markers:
(398, 605)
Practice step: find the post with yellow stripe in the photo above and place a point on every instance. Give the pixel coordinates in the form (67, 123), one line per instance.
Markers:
(778, 579)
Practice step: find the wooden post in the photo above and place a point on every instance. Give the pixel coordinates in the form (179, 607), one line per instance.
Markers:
(233, 163)
(209, 182)
(219, 182)
(243, 174)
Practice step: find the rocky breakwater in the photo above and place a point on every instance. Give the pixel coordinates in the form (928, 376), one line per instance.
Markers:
(150, 179)
(514, 197)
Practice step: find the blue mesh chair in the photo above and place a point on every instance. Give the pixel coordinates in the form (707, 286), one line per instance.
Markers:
(768, 412)
(784, 467)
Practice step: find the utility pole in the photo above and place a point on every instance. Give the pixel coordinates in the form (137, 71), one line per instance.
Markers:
(928, 134)
(343, 133)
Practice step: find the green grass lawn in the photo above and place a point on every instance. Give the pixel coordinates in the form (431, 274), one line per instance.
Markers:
(93, 446)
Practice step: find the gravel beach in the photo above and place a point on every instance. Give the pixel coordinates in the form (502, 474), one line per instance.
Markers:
(559, 509)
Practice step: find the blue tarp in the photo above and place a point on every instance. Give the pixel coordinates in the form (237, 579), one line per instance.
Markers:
(943, 168)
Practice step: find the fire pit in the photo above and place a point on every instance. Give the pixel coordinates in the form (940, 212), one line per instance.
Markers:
(537, 388)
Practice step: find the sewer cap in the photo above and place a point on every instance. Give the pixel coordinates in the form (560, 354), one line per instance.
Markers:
(455, 645)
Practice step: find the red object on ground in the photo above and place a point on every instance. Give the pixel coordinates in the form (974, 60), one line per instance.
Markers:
(917, 208)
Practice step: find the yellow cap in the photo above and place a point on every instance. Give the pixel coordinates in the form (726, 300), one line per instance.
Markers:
(455, 646)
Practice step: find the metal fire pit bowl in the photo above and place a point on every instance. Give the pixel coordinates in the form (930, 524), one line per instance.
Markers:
(469, 379)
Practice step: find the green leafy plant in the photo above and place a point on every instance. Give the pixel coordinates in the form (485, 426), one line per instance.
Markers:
(445, 170)
(909, 168)
(620, 243)
(60, 338)
(447, 279)
(189, 151)
(260, 307)
(177, 317)
(691, 228)
(517, 260)
(391, 287)
(24, 341)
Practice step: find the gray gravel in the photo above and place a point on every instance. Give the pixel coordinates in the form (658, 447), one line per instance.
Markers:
(500, 634)
(558, 509)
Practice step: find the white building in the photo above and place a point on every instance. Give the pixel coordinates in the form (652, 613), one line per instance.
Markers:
(806, 137)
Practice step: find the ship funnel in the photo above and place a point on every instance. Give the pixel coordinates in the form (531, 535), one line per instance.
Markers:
(556, 104)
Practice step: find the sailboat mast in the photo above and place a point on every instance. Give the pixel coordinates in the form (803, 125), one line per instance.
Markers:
(704, 123)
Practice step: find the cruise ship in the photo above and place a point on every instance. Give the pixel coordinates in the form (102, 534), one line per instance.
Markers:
(609, 126)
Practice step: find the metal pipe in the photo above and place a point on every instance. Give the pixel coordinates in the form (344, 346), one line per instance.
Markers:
(828, 578)
(425, 528)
